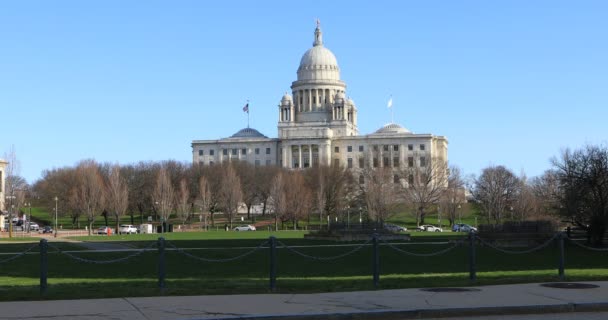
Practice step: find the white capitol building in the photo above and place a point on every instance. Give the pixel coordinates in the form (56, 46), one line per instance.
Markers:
(317, 124)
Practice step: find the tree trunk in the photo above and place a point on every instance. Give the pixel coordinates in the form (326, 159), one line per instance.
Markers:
(90, 226)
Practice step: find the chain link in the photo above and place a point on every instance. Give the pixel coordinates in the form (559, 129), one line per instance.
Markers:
(587, 247)
(18, 255)
(324, 258)
(541, 246)
(394, 247)
(79, 259)
(187, 254)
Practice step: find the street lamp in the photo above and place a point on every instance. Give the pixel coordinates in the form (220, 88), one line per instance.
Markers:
(27, 224)
(348, 214)
(56, 199)
(360, 220)
(459, 215)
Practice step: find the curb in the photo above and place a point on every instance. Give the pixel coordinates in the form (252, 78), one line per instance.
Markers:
(437, 313)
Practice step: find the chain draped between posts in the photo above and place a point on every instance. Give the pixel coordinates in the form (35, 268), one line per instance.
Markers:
(587, 247)
(243, 255)
(539, 247)
(18, 255)
(304, 255)
(84, 260)
(432, 254)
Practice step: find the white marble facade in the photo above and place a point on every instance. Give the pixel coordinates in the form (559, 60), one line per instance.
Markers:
(317, 124)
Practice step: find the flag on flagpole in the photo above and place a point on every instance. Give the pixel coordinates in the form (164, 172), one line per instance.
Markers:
(390, 102)
(246, 108)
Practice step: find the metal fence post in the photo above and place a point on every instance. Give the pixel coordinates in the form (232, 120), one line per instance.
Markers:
(472, 271)
(273, 263)
(161, 263)
(561, 256)
(43, 265)
(376, 261)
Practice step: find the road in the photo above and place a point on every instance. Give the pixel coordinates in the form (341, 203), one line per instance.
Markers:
(548, 316)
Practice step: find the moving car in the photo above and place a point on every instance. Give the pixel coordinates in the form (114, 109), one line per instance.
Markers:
(105, 230)
(47, 229)
(462, 227)
(127, 228)
(429, 228)
(245, 227)
(34, 226)
(394, 228)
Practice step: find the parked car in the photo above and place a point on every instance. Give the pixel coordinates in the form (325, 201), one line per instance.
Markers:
(47, 229)
(429, 228)
(34, 226)
(462, 227)
(127, 228)
(394, 228)
(105, 230)
(245, 227)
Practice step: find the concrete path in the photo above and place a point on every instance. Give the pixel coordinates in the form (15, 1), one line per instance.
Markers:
(384, 304)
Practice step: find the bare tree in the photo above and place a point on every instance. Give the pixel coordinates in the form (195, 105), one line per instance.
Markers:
(164, 195)
(453, 196)
(524, 205)
(299, 195)
(247, 176)
(278, 198)
(89, 194)
(183, 201)
(583, 185)
(117, 194)
(424, 184)
(204, 196)
(380, 190)
(230, 193)
(495, 190)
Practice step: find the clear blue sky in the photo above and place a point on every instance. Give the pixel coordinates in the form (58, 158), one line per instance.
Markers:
(508, 82)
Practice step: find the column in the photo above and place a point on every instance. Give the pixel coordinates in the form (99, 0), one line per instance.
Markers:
(402, 155)
(291, 114)
(309, 100)
(300, 156)
(310, 155)
(284, 157)
(328, 154)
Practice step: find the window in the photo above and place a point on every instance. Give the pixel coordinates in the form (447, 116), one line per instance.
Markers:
(210, 163)
(375, 148)
(225, 152)
(234, 152)
(267, 150)
(211, 152)
(423, 161)
(385, 148)
(361, 162)
(396, 147)
(375, 162)
(395, 161)
(385, 162)
(337, 149)
(201, 152)
(410, 179)
(349, 148)
(361, 179)
(336, 162)
(268, 162)
(410, 147)
(243, 151)
(422, 147)
(360, 148)
(257, 163)
(257, 150)
(350, 163)
(410, 161)
(396, 179)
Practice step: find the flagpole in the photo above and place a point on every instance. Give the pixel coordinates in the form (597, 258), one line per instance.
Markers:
(247, 114)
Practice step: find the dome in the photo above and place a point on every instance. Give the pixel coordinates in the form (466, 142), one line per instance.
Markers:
(318, 63)
(392, 128)
(286, 97)
(248, 133)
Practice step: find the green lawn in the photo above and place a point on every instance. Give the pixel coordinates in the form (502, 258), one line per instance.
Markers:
(185, 276)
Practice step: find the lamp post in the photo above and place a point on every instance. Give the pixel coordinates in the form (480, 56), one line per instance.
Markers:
(27, 224)
(56, 199)
(459, 214)
(360, 219)
(348, 215)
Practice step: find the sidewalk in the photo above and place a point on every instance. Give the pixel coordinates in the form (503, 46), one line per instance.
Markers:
(384, 304)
